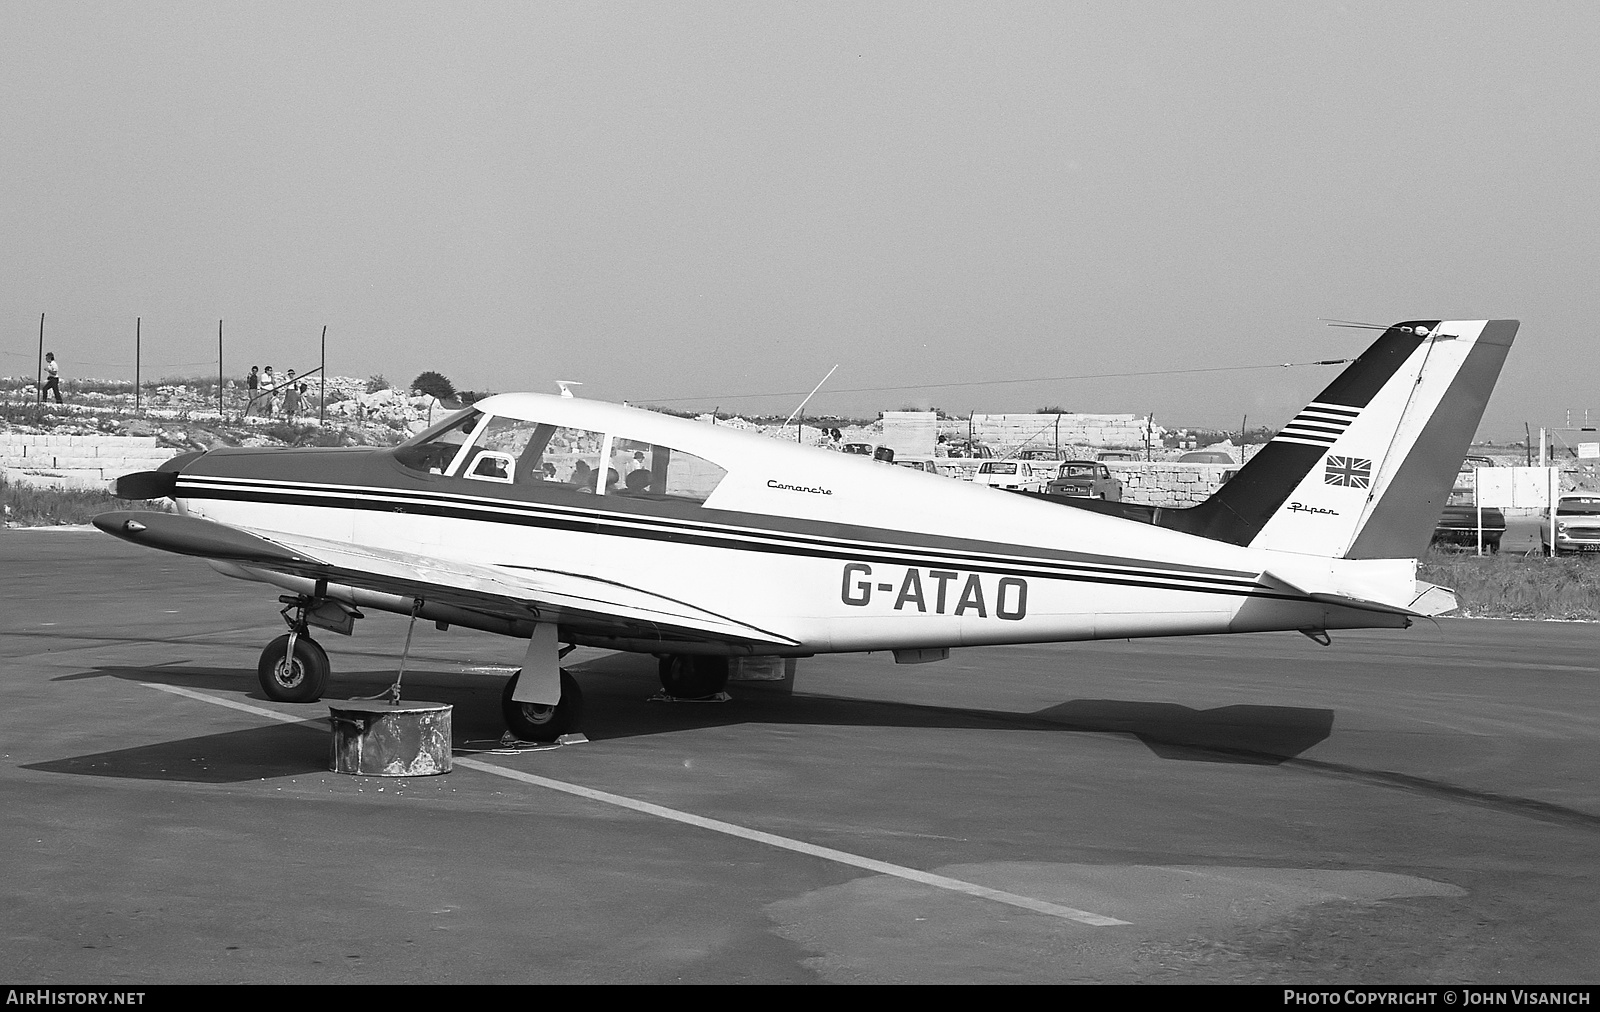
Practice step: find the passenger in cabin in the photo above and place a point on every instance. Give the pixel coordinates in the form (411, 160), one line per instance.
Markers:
(583, 476)
(637, 481)
(612, 478)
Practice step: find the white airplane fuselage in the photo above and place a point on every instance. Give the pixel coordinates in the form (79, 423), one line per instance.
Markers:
(829, 552)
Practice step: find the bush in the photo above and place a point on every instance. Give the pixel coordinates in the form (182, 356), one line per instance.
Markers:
(376, 382)
(43, 506)
(1509, 585)
(434, 385)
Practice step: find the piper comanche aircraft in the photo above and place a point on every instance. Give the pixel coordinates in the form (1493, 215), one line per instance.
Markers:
(565, 522)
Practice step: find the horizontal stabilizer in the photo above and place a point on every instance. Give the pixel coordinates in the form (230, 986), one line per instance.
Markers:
(1427, 596)
(1433, 599)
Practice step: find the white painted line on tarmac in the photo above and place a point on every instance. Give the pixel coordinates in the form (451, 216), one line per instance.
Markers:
(259, 711)
(717, 826)
(798, 846)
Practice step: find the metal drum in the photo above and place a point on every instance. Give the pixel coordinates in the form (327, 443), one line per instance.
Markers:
(378, 739)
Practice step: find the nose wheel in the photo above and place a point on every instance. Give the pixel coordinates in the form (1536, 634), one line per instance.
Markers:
(293, 669)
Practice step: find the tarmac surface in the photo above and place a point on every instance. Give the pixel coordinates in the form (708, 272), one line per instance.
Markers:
(1418, 806)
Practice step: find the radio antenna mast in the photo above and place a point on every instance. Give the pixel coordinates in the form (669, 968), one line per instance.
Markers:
(812, 394)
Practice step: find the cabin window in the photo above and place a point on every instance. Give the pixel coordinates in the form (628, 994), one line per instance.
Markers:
(434, 449)
(550, 453)
(651, 471)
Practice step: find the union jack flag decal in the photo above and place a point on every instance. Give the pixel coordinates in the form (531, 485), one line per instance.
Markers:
(1350, 472)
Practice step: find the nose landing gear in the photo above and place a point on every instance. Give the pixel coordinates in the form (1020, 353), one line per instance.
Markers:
(294, 668)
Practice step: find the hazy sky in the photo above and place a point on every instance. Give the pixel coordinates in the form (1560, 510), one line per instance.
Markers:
(708, 200)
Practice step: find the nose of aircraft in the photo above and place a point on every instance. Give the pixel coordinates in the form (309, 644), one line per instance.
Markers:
(157, 484)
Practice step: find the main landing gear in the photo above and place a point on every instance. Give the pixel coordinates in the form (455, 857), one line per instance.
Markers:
(535, 722)
(693, 676)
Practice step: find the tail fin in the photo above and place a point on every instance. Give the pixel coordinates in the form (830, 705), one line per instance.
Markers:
(1364, 470)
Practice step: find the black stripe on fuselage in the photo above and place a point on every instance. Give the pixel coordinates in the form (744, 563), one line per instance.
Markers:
(728, 536)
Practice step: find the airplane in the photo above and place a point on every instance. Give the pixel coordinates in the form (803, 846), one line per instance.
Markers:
(565, 521)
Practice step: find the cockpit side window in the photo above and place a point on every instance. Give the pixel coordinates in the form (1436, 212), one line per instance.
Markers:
(651, 471)
(434, 449)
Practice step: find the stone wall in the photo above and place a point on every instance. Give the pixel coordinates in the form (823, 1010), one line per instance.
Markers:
(910, 433)
(1156, 483)
(1007, 433)
(77, 461)
(1169, 484)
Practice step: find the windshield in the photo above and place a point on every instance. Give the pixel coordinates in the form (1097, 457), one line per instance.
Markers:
(435, 447)
(997, 467)
(1579, 506)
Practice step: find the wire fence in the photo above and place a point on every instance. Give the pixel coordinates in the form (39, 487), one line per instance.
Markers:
(23, 377)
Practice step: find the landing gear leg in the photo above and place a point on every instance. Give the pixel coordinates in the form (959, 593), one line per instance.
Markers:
(693, 676)
(542, 701)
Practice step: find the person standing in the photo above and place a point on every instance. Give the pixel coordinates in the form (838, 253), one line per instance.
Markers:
(291, 399)
(252, 383)
(52, 377)
(269, 386)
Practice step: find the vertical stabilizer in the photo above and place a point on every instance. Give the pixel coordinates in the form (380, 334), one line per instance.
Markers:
(1364, 470)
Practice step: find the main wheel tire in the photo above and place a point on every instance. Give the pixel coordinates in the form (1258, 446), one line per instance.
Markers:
(300, 679)
(693, 676)
(533, 722)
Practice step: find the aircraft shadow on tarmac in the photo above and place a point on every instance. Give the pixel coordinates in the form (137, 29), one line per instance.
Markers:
(618, 705)
(257, 753)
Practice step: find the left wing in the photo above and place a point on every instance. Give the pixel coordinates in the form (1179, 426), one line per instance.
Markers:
(606, 607)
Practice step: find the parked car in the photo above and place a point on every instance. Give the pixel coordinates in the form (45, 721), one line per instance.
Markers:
(1087, 479)
(1458, 524)
(1013, 475)
(918, 464)
(1207, 457)
(1116, 455)
(1577, 524)
(860, 449)
(969, 448)
(1038, 454)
